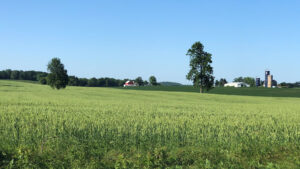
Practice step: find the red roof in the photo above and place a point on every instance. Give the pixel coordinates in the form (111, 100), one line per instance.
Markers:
(129, 83)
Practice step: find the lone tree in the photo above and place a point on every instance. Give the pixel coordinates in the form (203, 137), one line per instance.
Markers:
(152, 80)
(58, 77)
(201, 69)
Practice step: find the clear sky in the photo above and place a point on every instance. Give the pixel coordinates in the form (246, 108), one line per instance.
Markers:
(126, 39)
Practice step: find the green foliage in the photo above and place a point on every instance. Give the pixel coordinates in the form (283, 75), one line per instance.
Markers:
(73, 81)
(248, 80)
(290, 85)
(217, 83)
(146, 82)
(43, 80)
(267, 92)
(223, 81)
(83, 81)
(84, 127)
(200, 67)
(220, 83)
(5, 74)
(92, 82)
(21, 75)
(170, 84)
(58, 77)
(14, 75)
(153, 81)
(139, 81)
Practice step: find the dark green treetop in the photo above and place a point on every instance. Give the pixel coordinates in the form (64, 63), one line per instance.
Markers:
(58, 77)
(152, 80)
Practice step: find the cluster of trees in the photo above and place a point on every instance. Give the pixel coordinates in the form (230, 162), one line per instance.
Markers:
(290, 85)
(248, 80)
(109, 82)
(42, 77)
(221, 82)
(95, 82)
(58, 77)
(22, 75)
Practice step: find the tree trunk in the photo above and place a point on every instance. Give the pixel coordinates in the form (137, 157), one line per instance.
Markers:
(201, 89)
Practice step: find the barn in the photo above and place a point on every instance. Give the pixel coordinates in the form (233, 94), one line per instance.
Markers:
(130, 83)
(236, 84)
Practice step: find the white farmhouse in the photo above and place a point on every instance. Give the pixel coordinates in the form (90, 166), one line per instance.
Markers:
(236, 84)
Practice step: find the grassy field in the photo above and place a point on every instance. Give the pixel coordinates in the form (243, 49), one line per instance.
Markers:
(82, 127)
(277, 92)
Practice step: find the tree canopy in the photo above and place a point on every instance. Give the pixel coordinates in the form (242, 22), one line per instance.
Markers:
(152, 80)
(248, 80)
(22, 75)
(221, 82)
(201, 71)
(139, 81)
(58, 77)
(41, 77)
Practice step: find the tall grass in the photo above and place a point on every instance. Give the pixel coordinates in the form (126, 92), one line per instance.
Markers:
(112, 128)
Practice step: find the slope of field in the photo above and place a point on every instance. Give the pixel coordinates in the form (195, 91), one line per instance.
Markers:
(283, 92)
(83, 127)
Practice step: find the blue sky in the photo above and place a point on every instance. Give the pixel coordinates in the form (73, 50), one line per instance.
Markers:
(126, 39)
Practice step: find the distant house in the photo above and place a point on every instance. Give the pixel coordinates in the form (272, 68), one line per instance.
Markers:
(236, 84)
(130, 83)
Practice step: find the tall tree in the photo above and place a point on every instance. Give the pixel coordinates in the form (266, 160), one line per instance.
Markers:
(152, 80)
(139, 81)
(201, 72)
(58, 77)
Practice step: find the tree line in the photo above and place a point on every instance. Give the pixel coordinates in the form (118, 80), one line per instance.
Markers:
(41, 77)
(289, 85)
(22, 75)
(58, 77)
(107, 82)
(249, 80)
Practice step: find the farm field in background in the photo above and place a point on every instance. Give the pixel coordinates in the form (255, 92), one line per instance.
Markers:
(85, 127)
(243, 91)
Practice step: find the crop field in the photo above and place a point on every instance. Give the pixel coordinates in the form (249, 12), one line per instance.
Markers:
(244, 91)
(82, 127)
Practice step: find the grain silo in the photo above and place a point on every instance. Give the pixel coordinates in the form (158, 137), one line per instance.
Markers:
(267, 73)
(257, 81)
(270, 79)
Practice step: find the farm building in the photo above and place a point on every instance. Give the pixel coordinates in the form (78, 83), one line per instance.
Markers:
(130, 83)
(237, 84)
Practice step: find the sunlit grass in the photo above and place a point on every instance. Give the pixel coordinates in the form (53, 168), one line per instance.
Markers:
(82, 127)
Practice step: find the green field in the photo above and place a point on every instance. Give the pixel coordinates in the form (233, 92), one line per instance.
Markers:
(261, 91)
(82, 127)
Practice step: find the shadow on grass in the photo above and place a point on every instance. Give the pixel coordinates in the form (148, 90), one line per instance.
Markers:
(283, 92)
